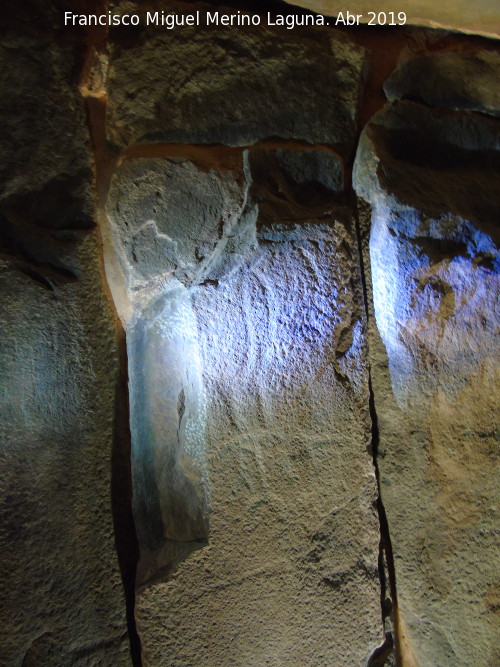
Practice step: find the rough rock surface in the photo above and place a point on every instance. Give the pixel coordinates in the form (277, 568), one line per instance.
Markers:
(61, 590)
(174, 223)
(62, 598)
(430, 177)
(234, 86)
(289, 574)
(455, 80)
(45, 166)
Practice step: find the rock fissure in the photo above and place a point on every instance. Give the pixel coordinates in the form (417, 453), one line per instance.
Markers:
(387, 573)
(386, 569)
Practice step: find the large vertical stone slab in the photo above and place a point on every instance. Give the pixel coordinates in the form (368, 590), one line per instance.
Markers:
(233, 85)
(61, 590)
(168, 422)
(431, 179)
(62, 598)
(174, 225)
(288, 571)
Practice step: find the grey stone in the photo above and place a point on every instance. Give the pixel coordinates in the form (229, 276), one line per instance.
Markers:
(174, 223)
(468, 81)
(62, 597)
(167, 408)
(291, 185)
(436, 161)
(234, 86)
(45, 165)
(290, 569)
(428, 215)
(268, 362)
(312, 167)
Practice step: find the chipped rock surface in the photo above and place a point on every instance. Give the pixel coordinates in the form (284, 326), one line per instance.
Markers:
(432, 247)
(175, 224)
(258, 388)
(455, 80)
(265, 405)
(234, 86)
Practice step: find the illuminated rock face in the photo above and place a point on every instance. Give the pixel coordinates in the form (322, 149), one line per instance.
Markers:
(236, 273)
(429, 176)
(176, 224)
(249, 396)
(293, 528)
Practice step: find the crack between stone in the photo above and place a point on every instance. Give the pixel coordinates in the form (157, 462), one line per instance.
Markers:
(127, 546)
(388, 605)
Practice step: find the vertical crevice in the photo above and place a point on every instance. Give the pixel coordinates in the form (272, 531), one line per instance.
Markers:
(387, 575)
(127, 545)
(388, 593)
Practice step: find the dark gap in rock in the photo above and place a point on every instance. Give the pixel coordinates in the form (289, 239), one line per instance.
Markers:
(381, 654)
(29, 251)
(388, 604)
(127, 545)
(37, 277)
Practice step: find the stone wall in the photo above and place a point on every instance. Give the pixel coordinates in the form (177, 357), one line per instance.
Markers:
(309, 313)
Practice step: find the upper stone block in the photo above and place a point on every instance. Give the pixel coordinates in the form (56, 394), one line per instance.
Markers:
(234, 86)
(464, 81)
(46, 170)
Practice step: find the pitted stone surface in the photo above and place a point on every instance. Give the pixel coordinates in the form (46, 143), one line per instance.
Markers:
(289, 574)
(62, 596)
(174, 223)
(432, 247)
(62, 593)
(168, 417)
(234, 86)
